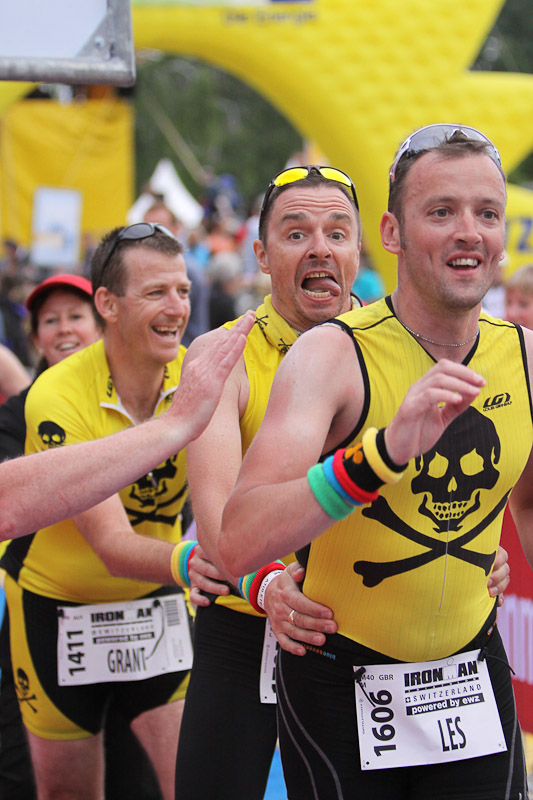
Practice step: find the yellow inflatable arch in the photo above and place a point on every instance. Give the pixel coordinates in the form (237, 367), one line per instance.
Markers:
(356, 76)
(353, 76)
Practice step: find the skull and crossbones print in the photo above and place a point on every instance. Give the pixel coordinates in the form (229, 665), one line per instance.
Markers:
(24, 692)
(451, 479)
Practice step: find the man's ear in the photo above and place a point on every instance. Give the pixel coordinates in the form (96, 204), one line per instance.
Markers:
(106, 304)
(390, 233)
(261, 256)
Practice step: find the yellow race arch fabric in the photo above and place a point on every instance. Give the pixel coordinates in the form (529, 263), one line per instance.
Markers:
(356, 76)
(84, 146)
(353, 76)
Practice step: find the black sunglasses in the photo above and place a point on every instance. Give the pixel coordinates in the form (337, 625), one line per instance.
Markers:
(139, 230)
(293, 174)
(432, 136)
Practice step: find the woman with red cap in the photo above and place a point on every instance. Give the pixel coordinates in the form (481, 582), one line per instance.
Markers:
(61, 323)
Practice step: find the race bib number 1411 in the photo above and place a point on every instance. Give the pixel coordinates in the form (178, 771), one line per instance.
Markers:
(123, 641)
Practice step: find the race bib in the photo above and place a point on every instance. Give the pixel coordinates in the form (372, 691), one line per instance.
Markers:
(124, 641)
(267, 681)
(426, 713)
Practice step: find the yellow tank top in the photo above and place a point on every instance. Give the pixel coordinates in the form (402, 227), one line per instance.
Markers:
(267, 343)
(76, 401)
(407, 576)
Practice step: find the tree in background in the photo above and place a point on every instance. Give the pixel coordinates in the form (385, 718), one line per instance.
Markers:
(208, 123)
(508, 49)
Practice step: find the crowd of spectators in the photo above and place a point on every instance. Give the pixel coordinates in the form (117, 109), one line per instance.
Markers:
(221, 262)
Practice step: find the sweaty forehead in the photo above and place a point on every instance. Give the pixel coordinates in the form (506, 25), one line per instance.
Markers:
(309, 201)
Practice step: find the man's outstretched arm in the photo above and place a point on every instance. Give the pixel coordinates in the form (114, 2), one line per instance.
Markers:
(41, 489)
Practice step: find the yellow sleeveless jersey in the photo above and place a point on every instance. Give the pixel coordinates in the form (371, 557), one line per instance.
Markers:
(267, 343)
(76, 401)
(407, 576)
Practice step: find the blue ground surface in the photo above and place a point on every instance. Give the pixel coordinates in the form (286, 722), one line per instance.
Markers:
(276, 785)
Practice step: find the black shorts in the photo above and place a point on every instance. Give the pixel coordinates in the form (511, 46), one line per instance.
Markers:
(319, 741)
(227, 736)
(70, 712)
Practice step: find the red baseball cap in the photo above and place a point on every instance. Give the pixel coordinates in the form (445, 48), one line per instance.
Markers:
(60, 282)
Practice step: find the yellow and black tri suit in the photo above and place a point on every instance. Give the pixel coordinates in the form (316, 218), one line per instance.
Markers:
(229, 635)
(76, 401)
(407, 576)
(267, 343)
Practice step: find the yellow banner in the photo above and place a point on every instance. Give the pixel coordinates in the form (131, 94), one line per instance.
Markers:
(83, 146)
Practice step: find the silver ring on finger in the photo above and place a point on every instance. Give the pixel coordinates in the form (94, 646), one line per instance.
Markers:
(291, 616)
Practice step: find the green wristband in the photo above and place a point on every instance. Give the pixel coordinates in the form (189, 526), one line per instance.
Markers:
(326, 495)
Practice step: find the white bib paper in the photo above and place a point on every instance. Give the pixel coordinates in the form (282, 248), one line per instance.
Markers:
(267, 682)
(426, 713)
(124, 641)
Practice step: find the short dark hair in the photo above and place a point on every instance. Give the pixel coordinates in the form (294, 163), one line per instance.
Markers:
(457, 146)
(111, 272)
(314, 178)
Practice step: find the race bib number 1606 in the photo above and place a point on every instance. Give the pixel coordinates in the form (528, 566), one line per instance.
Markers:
(426, 713)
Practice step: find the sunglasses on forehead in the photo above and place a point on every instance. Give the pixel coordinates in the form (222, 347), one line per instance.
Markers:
(294, 174)
(139, 230)
(432, 136)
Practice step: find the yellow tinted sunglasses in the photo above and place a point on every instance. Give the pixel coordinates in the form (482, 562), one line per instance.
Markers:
(293, 174)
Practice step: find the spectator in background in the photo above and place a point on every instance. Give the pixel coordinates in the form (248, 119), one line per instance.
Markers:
(226, 278)
(12, 317)
(197, 246)
(248, 234)
(368, 284)
(519, 297)
(222, 199)
(14, 258)
(221, 235)
(199, 294)
(494, 301)
(13, 375)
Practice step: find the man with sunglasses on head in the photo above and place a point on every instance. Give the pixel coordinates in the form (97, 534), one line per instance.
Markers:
(309, 238)
(123, 557)
(390, 445)
(199, 294)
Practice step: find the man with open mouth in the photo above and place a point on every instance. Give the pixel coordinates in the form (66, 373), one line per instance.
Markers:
(309, 240)
(392, 440)
(118, 555)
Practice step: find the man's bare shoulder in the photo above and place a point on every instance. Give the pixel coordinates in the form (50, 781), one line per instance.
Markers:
(325, 339)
